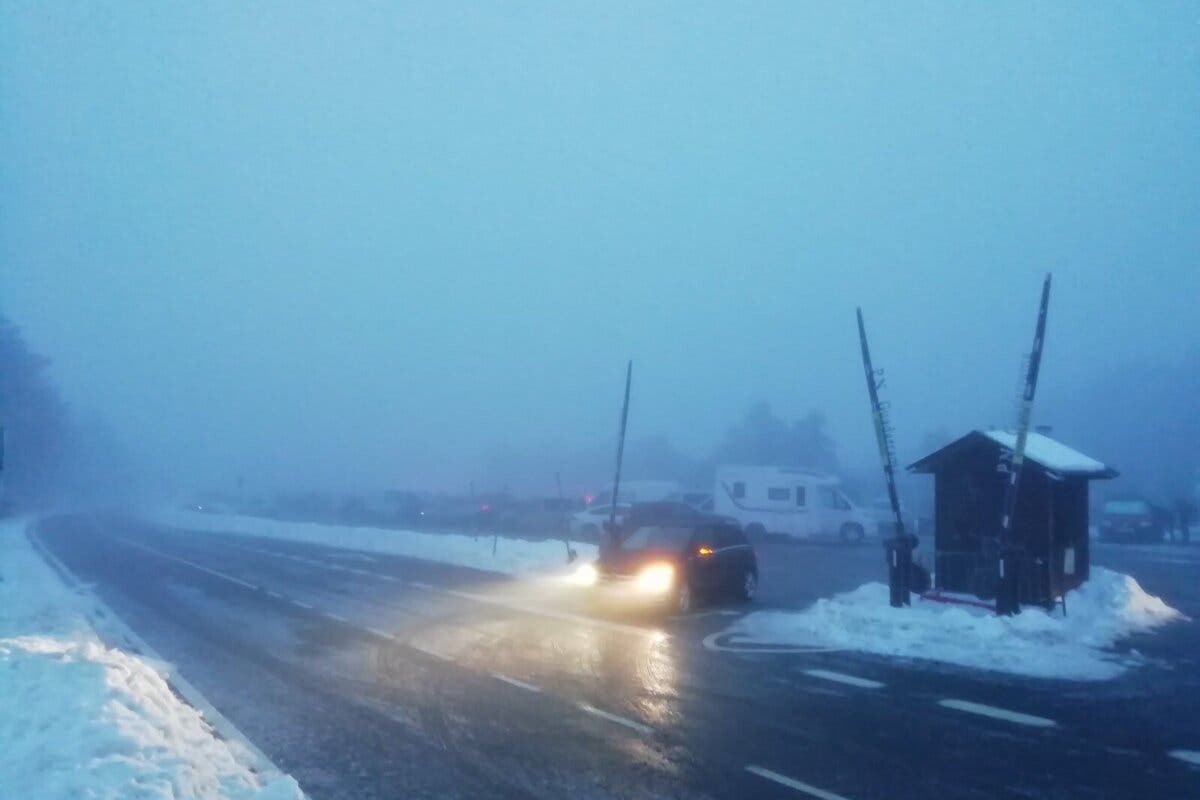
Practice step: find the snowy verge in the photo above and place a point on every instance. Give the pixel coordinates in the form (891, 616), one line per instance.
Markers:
(1035, 643)
(81, 719)
(512, 556)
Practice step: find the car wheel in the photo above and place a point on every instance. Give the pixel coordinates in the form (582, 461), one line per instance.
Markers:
(749, 587)
(852, 533)
(684, 599)
(756, 531)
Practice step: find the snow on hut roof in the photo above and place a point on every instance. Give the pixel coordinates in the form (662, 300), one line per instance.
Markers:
(1048, 452)
(1039, 448)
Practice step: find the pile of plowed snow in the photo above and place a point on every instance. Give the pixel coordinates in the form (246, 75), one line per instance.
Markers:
(80, 719)
(502, 554)
(1036, 643)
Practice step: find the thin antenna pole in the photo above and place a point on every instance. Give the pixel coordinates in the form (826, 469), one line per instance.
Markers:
(612, 516)
(561, 510)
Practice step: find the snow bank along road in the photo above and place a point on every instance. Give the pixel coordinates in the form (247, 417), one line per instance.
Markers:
(85, 716)
(370, 675)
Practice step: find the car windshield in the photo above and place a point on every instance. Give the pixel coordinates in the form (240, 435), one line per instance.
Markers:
(657, 537)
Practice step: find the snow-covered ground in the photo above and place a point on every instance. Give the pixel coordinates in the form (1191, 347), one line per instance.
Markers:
(79, 719)
(512, 556)
(1035, 643)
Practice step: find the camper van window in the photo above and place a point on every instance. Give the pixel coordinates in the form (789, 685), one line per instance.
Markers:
(779, 494)
(801, 497)
(739, 490)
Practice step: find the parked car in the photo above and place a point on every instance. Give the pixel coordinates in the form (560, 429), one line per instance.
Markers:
(587, 524)
(1133, 520)
(639, 492)
(797, 503)
(679, 564)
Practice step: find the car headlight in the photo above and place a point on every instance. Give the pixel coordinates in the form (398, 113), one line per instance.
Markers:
(656, 579)
(585, 575)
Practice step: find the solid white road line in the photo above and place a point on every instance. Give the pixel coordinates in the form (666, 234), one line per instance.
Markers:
(192, 564)
(792, 783)
(529, 687)
(840, 677)
(1187, 756)
(113, 624)
(628, 723)
(998, 713)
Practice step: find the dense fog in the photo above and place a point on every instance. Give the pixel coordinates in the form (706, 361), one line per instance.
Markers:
(349, 249)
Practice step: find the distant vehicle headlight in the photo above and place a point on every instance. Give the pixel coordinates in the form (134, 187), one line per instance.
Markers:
(656, 579)
(585, 575)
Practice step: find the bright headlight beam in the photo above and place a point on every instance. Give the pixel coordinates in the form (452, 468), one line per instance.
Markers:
(656, 579)
(585, 575)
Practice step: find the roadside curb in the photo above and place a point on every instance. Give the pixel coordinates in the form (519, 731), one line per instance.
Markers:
(115, 633)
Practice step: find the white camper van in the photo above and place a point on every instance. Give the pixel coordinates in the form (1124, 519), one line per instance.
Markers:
(794, 502)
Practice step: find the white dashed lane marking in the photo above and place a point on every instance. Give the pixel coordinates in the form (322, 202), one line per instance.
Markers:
(841, 677)
(998, 713)
(792, 783)
(628, 723)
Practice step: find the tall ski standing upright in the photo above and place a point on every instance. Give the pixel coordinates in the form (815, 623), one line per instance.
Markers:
(608, 538)
(899, 546)
(1008, 599)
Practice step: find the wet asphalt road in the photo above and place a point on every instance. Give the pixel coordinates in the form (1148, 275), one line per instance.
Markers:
(371, 676)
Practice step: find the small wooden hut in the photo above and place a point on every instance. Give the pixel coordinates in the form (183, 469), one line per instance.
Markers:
(1050, 526)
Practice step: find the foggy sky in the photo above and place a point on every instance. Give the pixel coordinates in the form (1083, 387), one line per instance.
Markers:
(356, 245)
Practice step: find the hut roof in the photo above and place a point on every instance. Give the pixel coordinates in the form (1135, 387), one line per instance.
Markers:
(1048, 453)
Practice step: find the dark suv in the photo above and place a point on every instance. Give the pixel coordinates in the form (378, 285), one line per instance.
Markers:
(681, 561)
(1133, 520)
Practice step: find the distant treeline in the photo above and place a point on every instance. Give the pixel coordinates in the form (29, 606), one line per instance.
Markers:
(37, 429)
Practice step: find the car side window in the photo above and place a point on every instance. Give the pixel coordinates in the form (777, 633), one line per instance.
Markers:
(779, 493)
(801, 498)
(739, 490)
